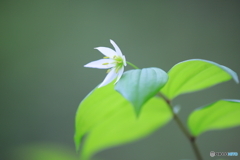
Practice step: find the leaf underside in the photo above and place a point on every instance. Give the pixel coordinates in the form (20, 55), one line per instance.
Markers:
(139, 85)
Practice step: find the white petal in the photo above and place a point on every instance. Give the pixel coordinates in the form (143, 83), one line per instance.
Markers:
(99, 64)
(117, 49)
(120, 72)
(108, 52)
(109, 78)
(124, 60)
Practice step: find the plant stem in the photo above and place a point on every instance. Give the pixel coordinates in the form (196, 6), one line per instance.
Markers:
(195, 148)
(191, 138)
(132, 65)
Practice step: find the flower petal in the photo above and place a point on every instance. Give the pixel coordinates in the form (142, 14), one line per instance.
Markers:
(120, 72)
(109, 78)
(117, 49)
(99, 64)
(108, 52)
(124, 60)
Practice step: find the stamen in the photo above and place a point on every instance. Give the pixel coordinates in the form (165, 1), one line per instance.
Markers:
(105, 63)
(105, 57)
(117, 69)
(108, 70)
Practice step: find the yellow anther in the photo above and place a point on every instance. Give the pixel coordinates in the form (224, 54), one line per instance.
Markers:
(108, 70)
(117, 69)
(105, 57)
(114, 57)
(105, 63)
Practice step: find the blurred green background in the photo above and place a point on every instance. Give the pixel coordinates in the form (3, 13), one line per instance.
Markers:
(44, 45)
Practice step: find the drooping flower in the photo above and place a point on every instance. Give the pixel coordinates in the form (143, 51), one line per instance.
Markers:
(114, 61)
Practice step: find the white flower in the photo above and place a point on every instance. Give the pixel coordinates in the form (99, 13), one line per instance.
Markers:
(114, 61)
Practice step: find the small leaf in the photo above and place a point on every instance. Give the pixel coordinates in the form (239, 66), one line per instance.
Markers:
(195, 74)
(139, 85)
(219, 115)
(108, 119)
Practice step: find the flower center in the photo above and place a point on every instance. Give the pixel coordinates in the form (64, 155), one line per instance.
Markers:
(118, 63)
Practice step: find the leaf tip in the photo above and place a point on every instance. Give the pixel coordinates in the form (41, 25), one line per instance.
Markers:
(137, 114)
(77, 143)
(231, 73)
(236, 79)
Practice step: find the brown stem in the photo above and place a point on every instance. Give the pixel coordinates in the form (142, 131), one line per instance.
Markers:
(191, 138)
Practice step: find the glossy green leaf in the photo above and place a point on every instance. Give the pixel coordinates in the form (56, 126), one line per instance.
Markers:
(139, 85)
(196, 74)
(219, 115)
(108, 119)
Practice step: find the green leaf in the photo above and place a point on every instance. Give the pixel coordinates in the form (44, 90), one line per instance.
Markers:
(108, 119)
(219, 115)
(195, 74)
(44, 151)
(139, 85)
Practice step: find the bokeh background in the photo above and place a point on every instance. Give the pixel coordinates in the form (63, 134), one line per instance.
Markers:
(45, 43)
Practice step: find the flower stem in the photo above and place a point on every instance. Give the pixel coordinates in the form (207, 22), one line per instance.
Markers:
(132, 65)
(191, 138)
